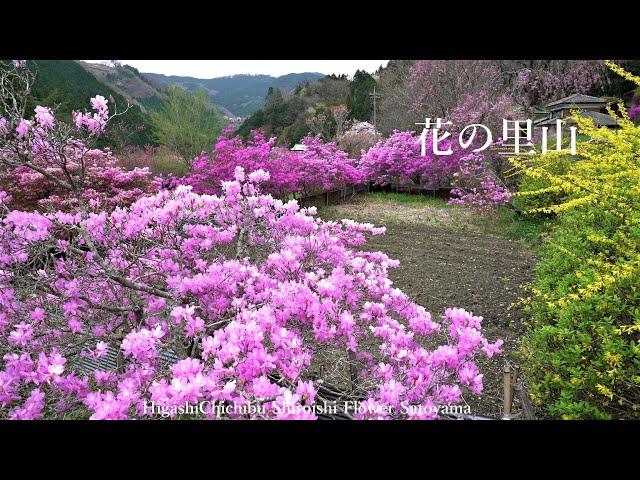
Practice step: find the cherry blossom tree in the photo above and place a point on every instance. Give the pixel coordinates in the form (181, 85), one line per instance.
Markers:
(461, 91)
(452, 87)
(536, 82)
(340, 114)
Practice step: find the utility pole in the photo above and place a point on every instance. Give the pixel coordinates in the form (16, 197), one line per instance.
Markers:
(374, 95)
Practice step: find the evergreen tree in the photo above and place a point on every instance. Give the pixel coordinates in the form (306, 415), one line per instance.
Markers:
(359, 102)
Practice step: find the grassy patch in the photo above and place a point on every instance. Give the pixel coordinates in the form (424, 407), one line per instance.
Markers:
(162, 162)
(166, 162)
(408, 199)
(383, 208)
(509, 224)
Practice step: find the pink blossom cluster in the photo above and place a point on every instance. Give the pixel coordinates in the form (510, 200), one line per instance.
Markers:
(633, 112)
(251, 295)
(461, 91)
(399, 160)
(323, 166)
(487, 91)
(97, 121)
(32, 132)
(557, 78)
(108, 185)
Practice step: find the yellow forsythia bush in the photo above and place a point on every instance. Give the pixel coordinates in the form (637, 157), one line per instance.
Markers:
(581, 354)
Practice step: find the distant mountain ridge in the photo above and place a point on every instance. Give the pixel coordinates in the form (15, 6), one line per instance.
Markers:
(128, 82)
(241, 94)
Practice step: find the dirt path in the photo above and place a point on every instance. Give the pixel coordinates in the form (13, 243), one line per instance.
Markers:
(445, 262)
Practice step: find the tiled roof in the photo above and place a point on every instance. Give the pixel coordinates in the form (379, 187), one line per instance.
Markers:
(599, 119)
(576, 99)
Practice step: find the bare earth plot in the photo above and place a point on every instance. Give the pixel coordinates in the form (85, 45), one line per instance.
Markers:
(447, 260)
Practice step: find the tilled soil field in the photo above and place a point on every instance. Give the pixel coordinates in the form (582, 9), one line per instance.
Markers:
(445, 262)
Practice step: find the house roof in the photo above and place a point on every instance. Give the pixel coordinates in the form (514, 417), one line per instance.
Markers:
(599, 119)
(577, 99)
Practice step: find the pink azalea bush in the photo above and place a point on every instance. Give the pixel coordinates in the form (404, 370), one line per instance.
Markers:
(108, 185)
(243, 288)
(321, 167)
(634, 110)
(209, 170)
(398, 160)
(46, 163)
(477, 186)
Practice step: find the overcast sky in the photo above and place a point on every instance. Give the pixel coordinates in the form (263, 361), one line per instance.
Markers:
(276, 68)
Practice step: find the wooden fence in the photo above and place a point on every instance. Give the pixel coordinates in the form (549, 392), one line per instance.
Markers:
(335, 197)
(443, 192)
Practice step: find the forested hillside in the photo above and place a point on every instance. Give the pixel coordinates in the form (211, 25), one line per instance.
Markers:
(182, 121)
(242, 95)
(66, 84)
(325, 107)
(128, 81)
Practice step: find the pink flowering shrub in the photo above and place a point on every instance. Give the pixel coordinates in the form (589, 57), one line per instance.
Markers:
(394, 160)
(208, 171)
(108, 185)
(477, 186)
(248, 292)
(398, 160)
(634, 111)
(322, 167)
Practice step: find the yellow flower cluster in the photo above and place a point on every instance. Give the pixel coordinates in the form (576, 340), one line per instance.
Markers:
(606, 172)
(582, 352)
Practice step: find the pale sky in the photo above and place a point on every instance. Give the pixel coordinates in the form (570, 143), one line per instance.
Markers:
(276, 68)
